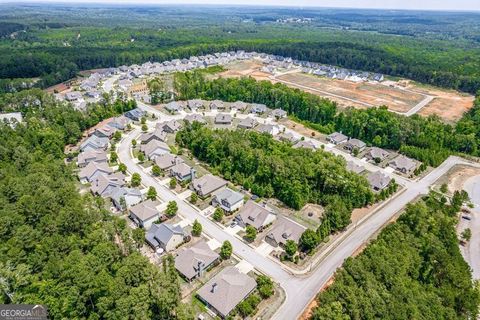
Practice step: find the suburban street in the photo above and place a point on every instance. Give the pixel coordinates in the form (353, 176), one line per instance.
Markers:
(300, 286)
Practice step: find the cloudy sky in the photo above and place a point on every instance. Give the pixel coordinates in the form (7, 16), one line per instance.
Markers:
(469, 5)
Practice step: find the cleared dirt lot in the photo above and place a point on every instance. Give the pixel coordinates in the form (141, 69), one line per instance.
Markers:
(363, 93)
(399, 96)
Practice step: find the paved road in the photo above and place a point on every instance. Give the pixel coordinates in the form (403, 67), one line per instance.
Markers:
(300, 289)
(471, 251)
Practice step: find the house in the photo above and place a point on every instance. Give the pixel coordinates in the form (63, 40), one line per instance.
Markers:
(227, 199)
(103, 185)
(239, 105)
(73, 96)
(165, 236)
(255, 215)
(207, 184)
(157, 134)
(120, 123)
(223, 118)
(191, 118)
(135, 114)
(226, 290)
(92, 170)
(258, 108)
(154, 149)
(355, 144)
(376, 154)
(167, 161)
(247, 123)
(11, 118)
(306, 144)
(216, 105)
(279, 114)
(98, 156)
(403, 164)
(194, 261)
(195, 104)
(269, 129)
(105, 131)
(378, 180)
(182, 172)
(171, 126)
(124, 198)
(337, 138)
(282, 230)
(174, 107)
(145, 213)
(288, 137)
(352, 166)
(94, 143)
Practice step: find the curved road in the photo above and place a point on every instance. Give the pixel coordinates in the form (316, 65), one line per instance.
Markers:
(300, 288)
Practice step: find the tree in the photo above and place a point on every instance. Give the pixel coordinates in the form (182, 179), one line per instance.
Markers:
(144, 128)
(113, 157)
(173, 183)
(156, 171)
(218, 215)
(151, 193)
(193, 198)
(467, 234)
(117, 136)
(290, 248)
(143, 120)
(196, 228)
(136, 180)
(250, 233)
(226, 250)
(444, 188)
(265, 286)
(308, 240)
(138, 235)
(172, 208)
(141, 157)
(122, 168)
(134, 143)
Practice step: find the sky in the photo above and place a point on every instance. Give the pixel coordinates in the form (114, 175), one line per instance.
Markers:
(467, 5)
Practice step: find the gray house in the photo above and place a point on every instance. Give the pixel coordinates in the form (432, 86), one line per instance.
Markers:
(253, 214)
(258, 108)
(227, 199)
(223, 118)
(167, 161)
(247, 123)
(403, 164)
(103, 185)
(92, 170)
(284, 229)
(165, 236)
(376, 154)
(355, 144)
(174, 107)
(207, 184)
(182, 172)
(145, 213)
(195, 104)
(378, 180)
(191, 118)
(226, 290)
(171, 126)
(279, 113)
(194, 261)
(98, 156)
(157, 134)
(94, 143)
(124, 198)
(337, 138)
(154, 149)
(304, 144)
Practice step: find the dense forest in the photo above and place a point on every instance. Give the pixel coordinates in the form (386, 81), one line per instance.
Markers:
(426, 139)
(58, 247)
(271, 168)
(413, 270)
(54, 43)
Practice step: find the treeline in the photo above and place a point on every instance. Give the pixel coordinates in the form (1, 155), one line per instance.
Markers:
(60, 248)
(426, 139)
(270, 168)
(413, 270)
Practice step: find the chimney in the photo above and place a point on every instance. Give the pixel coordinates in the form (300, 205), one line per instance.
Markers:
(214, 288)
(192, 173)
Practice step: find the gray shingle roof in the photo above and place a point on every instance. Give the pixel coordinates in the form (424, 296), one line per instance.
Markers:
(168, 160)
(285, 229)
(227, 289)
(145, 210)
(160, 234)
(207, 184)
(192, 261)
(228, 195)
